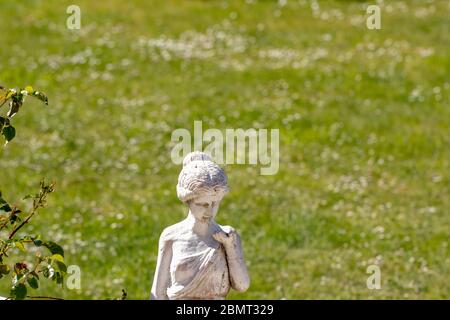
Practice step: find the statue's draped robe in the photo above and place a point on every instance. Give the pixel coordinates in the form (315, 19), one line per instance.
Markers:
(207, 273)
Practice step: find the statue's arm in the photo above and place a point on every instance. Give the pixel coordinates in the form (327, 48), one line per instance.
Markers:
(161, 280)
(239, 278)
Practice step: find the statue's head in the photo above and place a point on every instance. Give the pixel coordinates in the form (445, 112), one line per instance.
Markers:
(201, 185)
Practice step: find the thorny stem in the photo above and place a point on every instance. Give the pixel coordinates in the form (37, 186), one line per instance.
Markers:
(37, 203)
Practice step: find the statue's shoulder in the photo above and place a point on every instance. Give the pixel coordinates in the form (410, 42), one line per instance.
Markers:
(173, 232)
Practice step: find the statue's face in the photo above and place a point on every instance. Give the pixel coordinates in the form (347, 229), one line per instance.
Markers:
(205, 207)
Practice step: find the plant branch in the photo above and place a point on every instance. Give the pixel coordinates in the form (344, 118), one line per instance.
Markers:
(38, 202)
(44, 297)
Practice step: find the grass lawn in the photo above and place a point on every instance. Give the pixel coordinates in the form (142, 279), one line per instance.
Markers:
(364, 124)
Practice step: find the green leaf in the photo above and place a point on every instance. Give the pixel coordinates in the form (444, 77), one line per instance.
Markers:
(4, 269)
(14, 107)
(19, 292)
(41, 96)
(54, 248)
(9, 133)
(10, 93)
(61, 266)
(59, 278)
(33, 282)
(14, 218)
(58, 257)
(20, 246)
(4, 206)
(37, 242)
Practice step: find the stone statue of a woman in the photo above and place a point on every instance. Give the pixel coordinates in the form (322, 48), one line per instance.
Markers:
(198, 258)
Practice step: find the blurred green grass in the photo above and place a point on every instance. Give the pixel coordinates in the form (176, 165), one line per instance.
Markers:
(363, 118)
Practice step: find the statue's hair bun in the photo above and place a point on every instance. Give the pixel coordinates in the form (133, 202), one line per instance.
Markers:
(196, 156)
(200, 176)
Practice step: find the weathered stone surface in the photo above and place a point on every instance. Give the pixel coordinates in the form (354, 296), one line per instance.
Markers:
(198, 258)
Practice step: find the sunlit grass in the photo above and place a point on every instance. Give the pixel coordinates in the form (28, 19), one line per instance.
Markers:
(363, 118)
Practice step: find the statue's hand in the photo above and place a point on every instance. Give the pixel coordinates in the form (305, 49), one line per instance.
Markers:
(226, 239)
